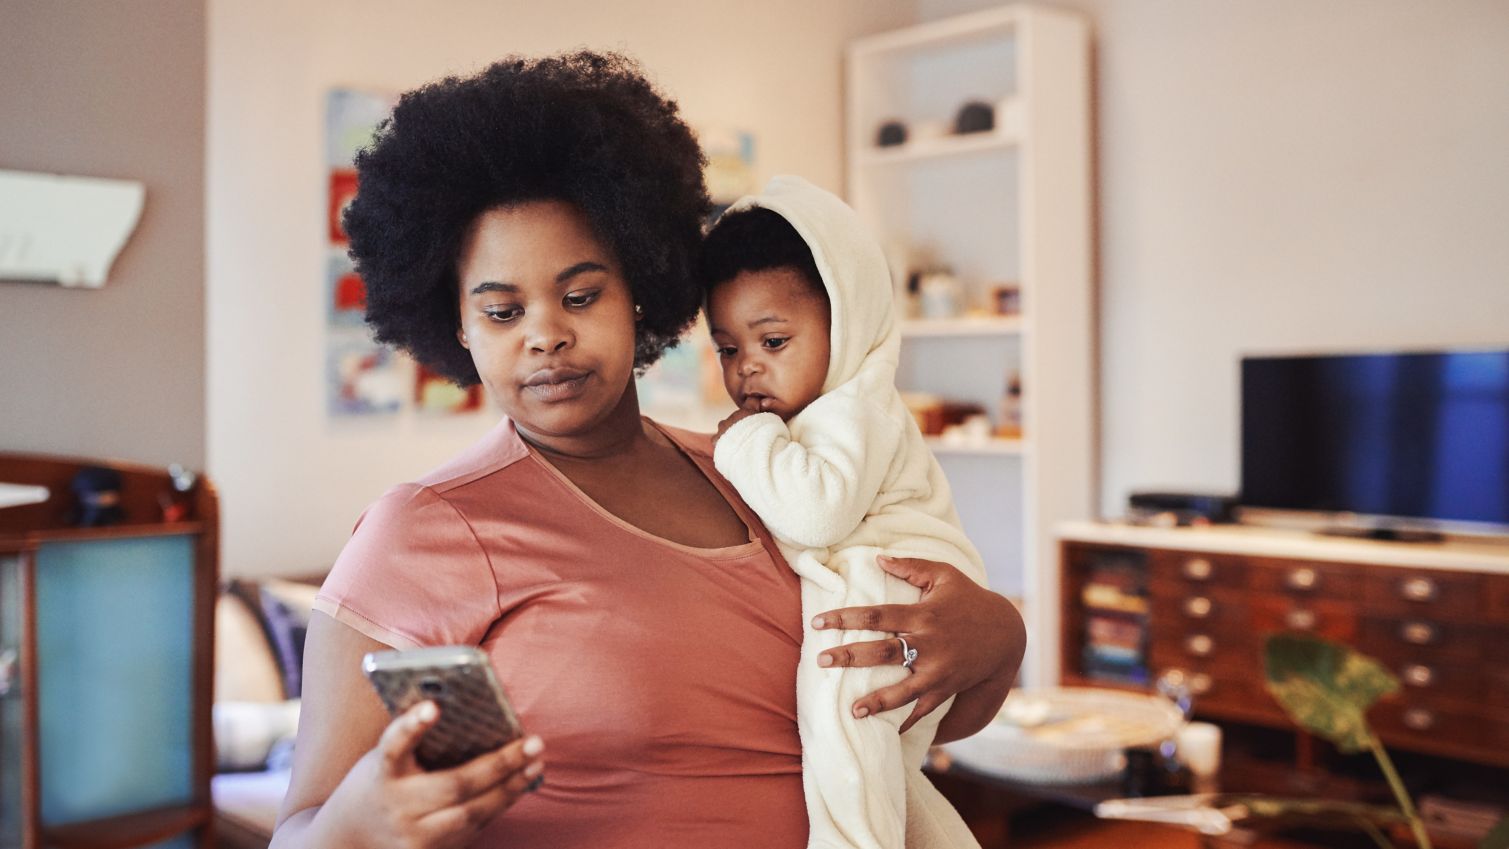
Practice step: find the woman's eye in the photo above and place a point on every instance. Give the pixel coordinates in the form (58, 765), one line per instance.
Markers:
(581, 299)
(773, 342)
(503, 314)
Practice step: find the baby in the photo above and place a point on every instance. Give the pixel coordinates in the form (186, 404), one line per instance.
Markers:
(824, 450)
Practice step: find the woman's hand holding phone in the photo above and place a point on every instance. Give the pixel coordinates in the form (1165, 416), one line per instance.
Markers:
(407, 806)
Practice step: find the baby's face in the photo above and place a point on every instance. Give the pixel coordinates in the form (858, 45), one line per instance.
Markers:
(771, 331)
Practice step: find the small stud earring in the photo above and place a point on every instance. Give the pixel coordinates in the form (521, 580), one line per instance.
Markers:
(638, 310)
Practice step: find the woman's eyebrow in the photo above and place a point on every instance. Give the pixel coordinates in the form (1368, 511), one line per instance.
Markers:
(510, 288)
(579, 268)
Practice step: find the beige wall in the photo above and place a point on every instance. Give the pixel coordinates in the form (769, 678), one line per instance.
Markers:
(109, 90)
(293, 482)
(1284, 176)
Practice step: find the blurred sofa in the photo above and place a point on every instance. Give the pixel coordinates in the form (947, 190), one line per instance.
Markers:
(259, 645)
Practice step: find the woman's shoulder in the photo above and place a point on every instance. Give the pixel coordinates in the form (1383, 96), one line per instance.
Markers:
(691, 441)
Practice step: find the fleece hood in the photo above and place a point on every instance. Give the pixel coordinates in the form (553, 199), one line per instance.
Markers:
(864, 336)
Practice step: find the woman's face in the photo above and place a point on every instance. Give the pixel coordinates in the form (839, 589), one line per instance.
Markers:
(547, 316)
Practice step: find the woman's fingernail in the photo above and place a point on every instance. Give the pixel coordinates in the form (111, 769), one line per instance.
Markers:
(817, 621)
(533, 746)
(861, 712)
(428, 711)
(824, 660)
(534, 768)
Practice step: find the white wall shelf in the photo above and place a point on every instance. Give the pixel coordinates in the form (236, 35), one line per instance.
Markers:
(969, 325)
(1010, 206)
(993, 446)
(942, 148)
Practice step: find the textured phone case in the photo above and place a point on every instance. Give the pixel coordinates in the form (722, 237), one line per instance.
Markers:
(475, 717)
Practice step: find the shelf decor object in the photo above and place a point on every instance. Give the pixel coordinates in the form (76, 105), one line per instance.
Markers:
(1003, 208)
(65, 230)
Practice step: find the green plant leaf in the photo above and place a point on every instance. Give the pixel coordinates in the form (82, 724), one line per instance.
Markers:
(1498, 838)
(1326, 688)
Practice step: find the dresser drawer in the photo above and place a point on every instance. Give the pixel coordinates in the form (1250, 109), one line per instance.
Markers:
(1496, 600)
(1422, 640)
(1496, 686)
(1455, 596)
(1220, 689)
(1441, 681)
(1178, 604)
(1323, 617)
(1424, 724)
(1178, 647)
(1199, 569)
(1304, 579)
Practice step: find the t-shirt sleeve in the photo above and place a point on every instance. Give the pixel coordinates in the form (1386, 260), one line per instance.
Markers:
(413, 574)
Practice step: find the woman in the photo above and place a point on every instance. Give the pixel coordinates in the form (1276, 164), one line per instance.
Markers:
(534, 228)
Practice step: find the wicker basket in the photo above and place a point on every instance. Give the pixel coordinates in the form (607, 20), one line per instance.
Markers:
(1067, 735)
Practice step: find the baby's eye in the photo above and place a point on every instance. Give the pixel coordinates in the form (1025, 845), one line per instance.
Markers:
(502, 314)
(773, 342)
(581, 299)
(727, 352)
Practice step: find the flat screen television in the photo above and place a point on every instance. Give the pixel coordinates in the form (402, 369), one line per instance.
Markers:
(1402, 439)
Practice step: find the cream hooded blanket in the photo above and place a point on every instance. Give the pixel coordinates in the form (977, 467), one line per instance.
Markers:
(844, 480)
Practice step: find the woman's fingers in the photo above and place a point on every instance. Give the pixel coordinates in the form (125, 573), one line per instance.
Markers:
(484, 773)
(926, 704)
(879, 617)
(402, 736)
(468, 816)
(887, 698)
(872, 653)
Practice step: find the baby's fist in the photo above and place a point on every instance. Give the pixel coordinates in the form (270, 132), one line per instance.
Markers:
(734, 418)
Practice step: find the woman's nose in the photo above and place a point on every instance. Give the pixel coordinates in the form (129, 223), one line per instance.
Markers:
(547, 335)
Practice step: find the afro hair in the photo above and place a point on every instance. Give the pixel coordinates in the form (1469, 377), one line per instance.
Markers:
(755, 239)
(585, 128)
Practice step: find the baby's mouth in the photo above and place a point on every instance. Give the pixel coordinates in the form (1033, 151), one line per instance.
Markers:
(757, 402)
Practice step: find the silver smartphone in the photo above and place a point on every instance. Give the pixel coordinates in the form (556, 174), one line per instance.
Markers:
(475, 716)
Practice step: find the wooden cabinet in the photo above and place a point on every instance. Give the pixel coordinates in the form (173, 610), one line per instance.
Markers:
(1441, 630)
(105, 667)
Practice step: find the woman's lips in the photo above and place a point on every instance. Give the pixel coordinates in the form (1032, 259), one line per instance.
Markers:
(557, 384)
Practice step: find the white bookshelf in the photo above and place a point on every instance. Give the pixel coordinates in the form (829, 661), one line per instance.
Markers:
(1011, 205)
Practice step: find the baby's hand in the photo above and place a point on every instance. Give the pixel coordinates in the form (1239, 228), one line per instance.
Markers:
(734, 418)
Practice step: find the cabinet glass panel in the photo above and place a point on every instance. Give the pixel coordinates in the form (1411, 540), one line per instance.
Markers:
(115, 682)
(10, 701)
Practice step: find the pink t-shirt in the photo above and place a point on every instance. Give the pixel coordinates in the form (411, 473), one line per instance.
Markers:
(662, 677)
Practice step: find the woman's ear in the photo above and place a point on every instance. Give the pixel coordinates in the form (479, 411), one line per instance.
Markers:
(461, 337)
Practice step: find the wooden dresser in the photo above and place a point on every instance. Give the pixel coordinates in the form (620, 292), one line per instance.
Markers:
(1140, 601)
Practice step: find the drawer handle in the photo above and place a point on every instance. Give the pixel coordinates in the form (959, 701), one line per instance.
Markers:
(1198, 569)
(1419, 719)
(1200, 684)
(1300, 620)
(1200, 645)
(1419, 589)
(1419, 675)
(1197, 607)
(1302, 579)
(1418, 633)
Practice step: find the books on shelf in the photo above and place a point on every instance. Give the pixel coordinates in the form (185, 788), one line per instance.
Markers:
(1114, 599)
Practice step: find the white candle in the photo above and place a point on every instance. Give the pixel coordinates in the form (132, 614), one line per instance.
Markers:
(1200, 748)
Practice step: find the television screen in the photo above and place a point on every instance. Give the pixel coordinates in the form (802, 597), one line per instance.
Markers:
(1416, 436)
